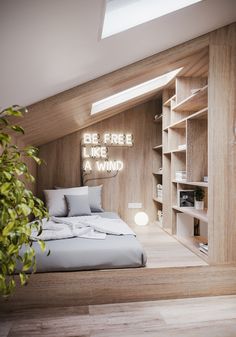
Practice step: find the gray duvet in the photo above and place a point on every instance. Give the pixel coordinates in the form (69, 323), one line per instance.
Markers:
(122, 251)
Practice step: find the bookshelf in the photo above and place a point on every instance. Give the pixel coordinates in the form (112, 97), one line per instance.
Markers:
(185, 150)
(157, 169)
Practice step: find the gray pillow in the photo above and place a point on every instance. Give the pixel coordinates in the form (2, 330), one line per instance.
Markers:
(55, 199)
(78, 205)
(95, 198)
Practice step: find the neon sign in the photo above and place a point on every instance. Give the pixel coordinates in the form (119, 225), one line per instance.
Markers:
(95, 151)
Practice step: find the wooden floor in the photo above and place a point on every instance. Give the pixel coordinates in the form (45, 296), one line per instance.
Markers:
(163, 250)
(207, 316)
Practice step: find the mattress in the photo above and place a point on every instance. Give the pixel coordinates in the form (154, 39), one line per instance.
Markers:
(72, 254)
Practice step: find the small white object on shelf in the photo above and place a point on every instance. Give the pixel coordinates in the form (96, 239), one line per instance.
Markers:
(182, 147)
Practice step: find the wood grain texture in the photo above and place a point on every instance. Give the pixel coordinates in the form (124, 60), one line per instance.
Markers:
(222, 147)
(126, 285)
(133, 183)
(69, 111)
(197, 149)
(207, 316)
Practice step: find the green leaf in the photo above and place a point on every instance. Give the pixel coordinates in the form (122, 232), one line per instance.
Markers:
(7, 175)
(4, 189)
(42, 245)
(8, 228)
(23, 278)
(25, 209)
(18, 128)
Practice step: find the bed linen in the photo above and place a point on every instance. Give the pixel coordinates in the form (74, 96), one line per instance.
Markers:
(115, 251)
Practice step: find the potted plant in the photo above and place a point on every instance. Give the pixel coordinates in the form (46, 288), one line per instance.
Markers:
(18, 206)
(199, 196)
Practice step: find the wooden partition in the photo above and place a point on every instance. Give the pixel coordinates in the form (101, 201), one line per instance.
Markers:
(222, 145)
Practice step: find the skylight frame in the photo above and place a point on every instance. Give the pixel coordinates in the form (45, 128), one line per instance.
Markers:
(134, 92)
(121, 15)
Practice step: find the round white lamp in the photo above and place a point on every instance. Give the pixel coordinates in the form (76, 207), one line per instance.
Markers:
(141, 219)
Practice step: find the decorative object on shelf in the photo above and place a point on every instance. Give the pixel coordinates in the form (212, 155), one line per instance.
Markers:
(159, 191)
(160, 217)
(160, 170)
(205, 179)
(141, 219)
(199, 194)
(186, 198)
(182, 147)
(180, 175)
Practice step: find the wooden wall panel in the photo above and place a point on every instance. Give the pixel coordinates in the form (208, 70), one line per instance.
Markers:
(222, 145)
(133, 184)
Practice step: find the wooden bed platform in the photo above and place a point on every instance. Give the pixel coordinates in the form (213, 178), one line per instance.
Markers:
(173, 271)
(126, 285)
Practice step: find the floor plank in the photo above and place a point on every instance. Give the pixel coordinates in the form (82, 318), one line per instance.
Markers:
(164, 250)
(193, 317)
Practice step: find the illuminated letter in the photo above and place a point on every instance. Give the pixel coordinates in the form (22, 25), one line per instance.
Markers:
(119, 165)
(87, 166)
(87, 138)
(129, 139)
(103, 152)
(106, 138)
(101, 166)
(84, 152)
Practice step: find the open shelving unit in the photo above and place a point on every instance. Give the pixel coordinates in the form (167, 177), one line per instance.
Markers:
(185, 149)
(157, 171)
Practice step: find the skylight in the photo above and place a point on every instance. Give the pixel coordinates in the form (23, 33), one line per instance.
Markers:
(136, 91)
(121, 15)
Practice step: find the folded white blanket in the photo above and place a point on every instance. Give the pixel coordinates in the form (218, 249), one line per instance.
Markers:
(92, 227)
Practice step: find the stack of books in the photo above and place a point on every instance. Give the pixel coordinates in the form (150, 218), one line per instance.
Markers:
(203, 247)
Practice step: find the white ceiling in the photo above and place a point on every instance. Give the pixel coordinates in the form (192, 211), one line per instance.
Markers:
(48, 46)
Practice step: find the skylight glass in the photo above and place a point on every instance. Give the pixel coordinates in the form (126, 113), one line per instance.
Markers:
(121, 15)
(136, 91)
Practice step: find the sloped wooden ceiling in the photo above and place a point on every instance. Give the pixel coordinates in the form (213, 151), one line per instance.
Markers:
(69, 111)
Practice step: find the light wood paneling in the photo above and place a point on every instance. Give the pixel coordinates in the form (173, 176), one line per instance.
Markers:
(222, 145)
(132, 184)
(69, 111)
(124, 285)
(197, 149)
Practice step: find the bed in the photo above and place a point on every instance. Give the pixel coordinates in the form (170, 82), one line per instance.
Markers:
(71, 254)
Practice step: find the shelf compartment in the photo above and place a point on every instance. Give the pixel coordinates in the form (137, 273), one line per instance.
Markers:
(201, 215)
(191, 183)
(192, 243)
(194, 102)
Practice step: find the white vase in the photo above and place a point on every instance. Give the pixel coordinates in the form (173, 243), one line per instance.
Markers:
(199, 205)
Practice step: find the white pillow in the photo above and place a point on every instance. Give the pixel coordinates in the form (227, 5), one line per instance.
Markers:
(55, 199)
